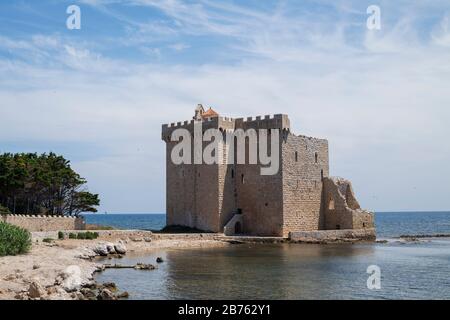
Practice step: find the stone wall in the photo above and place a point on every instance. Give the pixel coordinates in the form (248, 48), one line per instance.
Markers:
(304, 164)
(326, 236)
(342, 210)
(45, 223)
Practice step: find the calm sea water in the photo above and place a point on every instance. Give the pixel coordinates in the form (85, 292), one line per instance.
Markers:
(389, 224)
(416, 270)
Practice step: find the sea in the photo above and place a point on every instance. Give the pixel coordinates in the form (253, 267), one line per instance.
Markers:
(396, 269)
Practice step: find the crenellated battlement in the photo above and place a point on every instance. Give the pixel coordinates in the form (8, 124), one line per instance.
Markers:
(277, 121)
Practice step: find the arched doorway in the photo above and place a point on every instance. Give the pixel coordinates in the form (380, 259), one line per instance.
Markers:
(237, 228)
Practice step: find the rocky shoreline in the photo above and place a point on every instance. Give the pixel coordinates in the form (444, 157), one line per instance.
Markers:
(65, 269)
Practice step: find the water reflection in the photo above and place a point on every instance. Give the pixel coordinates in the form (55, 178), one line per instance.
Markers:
(289, 271)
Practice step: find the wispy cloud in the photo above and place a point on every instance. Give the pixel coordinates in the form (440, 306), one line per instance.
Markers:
(381, 98)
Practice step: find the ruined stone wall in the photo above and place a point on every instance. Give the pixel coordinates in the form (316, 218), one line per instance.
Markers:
(45, 223)
(304, 163)
(341, 209)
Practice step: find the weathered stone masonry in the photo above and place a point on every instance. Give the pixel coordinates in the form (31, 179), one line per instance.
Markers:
(236, 198)
(44, 223)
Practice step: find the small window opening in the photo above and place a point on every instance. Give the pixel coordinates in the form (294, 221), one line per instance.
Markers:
(296, 156)
(338, 227)
(321, 174)
(266, 204)
(232, 173)
(331, 205)
(316, 157)
(242, 179)
(364, 225)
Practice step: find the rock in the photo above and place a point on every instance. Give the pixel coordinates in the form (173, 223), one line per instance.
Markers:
(70, 279)
(10, 277)
(123, 295)
(52, 290)
(159, 260)
(36, 290)
(88, 294)
(147, 239)
(143, 266)
(36, 266)
(111, 286)
(105, 294)
(111, 248)
(101, 250)
(21, 296)
(137, 239)
(120, 248)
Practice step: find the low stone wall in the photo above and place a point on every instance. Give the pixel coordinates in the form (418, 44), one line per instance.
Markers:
(186, 236)
(322, 236)
(107, 235)
(45, 223)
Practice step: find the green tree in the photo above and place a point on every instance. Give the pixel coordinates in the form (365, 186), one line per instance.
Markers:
(43, 184)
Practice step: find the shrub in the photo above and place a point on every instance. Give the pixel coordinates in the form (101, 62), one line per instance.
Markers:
(72, 235)
(13, 240)
(90, 235)
(61, 235)
(81, 236)
(48, 240)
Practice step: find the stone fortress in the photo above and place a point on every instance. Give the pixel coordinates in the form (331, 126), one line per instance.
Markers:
(237, 199)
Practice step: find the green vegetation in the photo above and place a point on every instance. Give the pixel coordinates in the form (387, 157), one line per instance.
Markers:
(43, 184)
(61, 235)
(84, 235)
(4, 210)
(13, 240)
(98, 227)
(48, 240)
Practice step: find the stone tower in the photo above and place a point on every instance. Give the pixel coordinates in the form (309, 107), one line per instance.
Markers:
(236, 198)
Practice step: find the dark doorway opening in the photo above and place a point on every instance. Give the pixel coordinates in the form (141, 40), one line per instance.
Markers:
(237, 228)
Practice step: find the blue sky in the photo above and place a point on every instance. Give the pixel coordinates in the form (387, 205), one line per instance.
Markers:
(100, 94)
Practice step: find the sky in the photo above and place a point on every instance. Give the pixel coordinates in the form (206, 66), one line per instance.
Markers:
(99, 95)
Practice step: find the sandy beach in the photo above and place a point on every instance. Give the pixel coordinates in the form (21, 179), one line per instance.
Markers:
(64, 269)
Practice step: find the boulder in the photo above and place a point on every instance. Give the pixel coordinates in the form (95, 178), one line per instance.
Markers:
(70, 279)
(36, 290)
(120, 248)
(123, 295)
(159, 260)
(147, 239)
(111, 248)
(106, 294)
(101, 250)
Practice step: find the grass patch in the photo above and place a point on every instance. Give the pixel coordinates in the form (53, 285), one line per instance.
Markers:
(13, 240)
(98, 227)
(61, 235)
